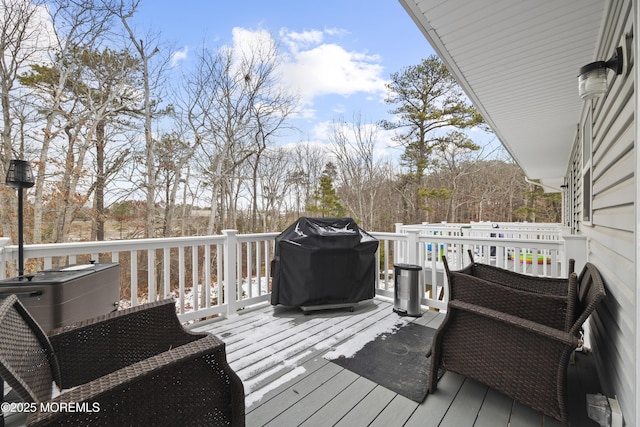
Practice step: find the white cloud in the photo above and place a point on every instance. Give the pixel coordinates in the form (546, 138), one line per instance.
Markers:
(248, 41)
(179, 56)
(339, 108)
(299, 40)
(312, 67)
(336, 31)
(322, 131)
(330, 69)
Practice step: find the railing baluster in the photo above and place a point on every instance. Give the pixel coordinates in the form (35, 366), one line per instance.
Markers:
(181, 278)
(248, 250)
(259, 267)
(195, 289)
(220, 275)
(207, 276)
(151, 274)
(267, 265)
(166, 254)
(134, 278)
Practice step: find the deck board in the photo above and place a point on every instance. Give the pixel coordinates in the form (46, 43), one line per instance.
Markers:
(288, 395)
(431, 412)
(279, 353)
(495, 411)
(366, 411)
(400, 408)
(314, 401)
(466, 405)
(343, 402)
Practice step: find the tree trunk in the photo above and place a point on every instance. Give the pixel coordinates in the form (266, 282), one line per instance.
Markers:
(99, 215)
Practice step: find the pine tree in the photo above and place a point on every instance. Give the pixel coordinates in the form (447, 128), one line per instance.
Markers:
(327, 203)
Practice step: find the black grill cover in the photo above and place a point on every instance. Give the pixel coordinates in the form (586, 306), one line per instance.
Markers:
(322, 261)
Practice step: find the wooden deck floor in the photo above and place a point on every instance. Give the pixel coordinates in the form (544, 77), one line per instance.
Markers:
(278, 352)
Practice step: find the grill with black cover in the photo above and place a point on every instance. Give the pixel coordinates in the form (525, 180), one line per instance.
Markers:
(323, 261)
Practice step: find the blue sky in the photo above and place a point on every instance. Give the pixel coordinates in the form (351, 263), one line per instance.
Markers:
(339, 53)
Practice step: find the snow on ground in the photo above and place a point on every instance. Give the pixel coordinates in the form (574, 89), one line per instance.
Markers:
(389, 325)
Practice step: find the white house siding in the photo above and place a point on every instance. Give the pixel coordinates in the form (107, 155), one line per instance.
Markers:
(612, 233)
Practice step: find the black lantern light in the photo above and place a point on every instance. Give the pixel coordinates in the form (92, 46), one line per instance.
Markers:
(592, 80)
(20, 176)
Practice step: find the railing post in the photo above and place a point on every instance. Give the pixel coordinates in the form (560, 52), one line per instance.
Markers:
(412, 247)
(230, 279)
(3, 257)
(396, 245)
(575, 246)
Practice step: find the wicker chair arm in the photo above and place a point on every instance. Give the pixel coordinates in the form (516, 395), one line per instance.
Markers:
(536, 328)
(542, 285)
(545, 285)
(163, 390)
(99, 346)
(547, 309)
(127, 312)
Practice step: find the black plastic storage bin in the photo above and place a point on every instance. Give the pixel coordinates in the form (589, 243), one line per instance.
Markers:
(66, 295)
(323, 261)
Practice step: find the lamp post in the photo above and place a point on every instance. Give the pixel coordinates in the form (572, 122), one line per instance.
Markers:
(20, 176)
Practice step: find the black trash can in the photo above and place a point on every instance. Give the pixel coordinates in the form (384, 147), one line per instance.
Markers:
(323, 263)
(406, 290)
(66, 295)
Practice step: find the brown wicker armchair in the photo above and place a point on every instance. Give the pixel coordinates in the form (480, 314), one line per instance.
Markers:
(493, 334)
(549, 301)
(137, 366)
(518, 280)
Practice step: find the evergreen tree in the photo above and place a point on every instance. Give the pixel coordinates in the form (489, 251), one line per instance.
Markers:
(430, 111)
(327, 203)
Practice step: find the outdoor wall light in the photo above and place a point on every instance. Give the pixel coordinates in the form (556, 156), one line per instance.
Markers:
(20, 176)
(592, 80)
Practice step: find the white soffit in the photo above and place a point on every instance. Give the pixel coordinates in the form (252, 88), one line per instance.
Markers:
(518, 62)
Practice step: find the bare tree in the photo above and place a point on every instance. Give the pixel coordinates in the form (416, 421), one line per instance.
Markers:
(74, 23)
(173, 155)
(20, 44)
(456, 162)
(105, 85)
(152, 78)
(308, 164)
(236, 108)
(273, 188)
(353, 145)
(270, 111)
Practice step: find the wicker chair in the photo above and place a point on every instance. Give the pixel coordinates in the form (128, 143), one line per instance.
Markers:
(137, 366)
(493, 334)
(553, 302)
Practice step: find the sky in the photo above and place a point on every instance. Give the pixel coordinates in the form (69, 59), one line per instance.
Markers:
(338, 53)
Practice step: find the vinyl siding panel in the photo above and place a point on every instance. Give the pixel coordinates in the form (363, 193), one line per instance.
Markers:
(612, 234)
(617, 218)
(619, 173)
(614, 197)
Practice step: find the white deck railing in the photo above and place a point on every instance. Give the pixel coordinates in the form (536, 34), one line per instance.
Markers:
(232, 271)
